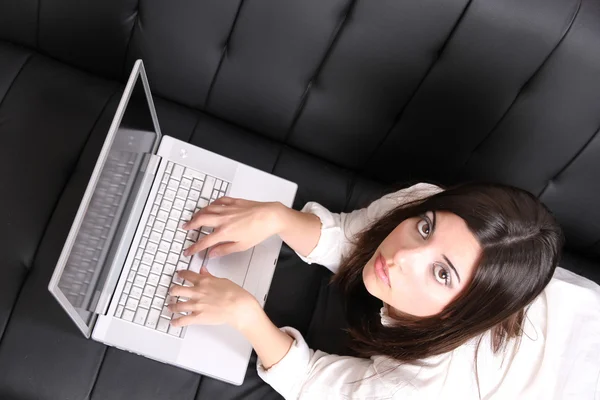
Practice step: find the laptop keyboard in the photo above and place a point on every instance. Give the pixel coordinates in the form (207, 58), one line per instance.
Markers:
(181, 193)
(95, 229)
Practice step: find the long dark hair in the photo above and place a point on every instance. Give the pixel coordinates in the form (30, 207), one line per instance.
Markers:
(521, 246)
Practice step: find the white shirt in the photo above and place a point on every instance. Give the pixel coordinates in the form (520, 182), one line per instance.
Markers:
(558, 357)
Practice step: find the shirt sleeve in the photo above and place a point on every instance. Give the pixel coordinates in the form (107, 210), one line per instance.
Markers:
(309, 374)
(337, 230)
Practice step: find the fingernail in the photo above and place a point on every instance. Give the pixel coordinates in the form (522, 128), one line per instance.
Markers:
(185, 225)
(186, 252)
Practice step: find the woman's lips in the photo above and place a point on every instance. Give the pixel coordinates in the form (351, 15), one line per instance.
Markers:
(381, 270)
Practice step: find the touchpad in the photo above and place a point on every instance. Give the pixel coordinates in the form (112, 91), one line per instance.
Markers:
(232, 266)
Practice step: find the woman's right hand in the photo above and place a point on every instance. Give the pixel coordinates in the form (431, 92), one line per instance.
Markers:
(237, 224)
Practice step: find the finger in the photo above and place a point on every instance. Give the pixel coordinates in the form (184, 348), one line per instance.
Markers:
(203, 243)
(204, 217)
(182, 291)
(204, 271)
(225, 200)
(182, 306)
(184, 320)
(224, 249)
(189, 276)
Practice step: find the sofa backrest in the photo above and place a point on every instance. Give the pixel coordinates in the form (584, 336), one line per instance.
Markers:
(397, 91)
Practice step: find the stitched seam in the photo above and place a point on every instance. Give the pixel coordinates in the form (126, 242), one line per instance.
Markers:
(336, 34)
(527, 82)
(223, 54)
(29, 57)
(399, 114)
(570, 162)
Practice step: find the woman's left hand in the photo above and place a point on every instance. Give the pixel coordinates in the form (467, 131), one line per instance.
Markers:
(212, 301)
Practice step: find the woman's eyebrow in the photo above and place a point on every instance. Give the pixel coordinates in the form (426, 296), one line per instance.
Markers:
(451, 266)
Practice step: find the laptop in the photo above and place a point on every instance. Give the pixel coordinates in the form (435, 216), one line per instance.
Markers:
(126, 242)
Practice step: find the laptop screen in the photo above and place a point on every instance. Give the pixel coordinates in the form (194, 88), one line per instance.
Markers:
(99, 223)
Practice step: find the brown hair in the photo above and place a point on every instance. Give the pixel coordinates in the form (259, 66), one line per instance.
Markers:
(521, 245)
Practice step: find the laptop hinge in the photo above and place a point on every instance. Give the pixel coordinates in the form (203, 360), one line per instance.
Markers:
(133, 213)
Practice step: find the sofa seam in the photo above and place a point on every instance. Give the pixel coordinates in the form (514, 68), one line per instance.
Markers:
(524, 85)
(399, 114)
(25, 62)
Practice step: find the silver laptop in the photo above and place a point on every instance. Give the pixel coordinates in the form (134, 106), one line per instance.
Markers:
(126, 242)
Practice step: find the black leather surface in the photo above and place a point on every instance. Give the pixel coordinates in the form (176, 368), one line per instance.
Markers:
(347, 98)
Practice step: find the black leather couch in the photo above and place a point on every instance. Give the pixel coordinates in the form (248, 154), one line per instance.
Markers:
(347, 98)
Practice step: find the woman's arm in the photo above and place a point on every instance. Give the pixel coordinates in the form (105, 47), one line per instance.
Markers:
(301, 231)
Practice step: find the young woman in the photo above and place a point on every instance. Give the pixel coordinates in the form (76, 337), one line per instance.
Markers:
(449, 294)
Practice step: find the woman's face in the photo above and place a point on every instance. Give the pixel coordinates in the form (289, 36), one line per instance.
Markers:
(423, 264)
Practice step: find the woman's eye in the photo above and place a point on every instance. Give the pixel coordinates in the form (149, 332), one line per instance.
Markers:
(441, 274)
(424, 228)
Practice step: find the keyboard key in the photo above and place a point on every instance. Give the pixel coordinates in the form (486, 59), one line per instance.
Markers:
(162, 291)
(194, 195)
(153, 279)
(131, 276)
(157, 268)
(143, 242)
(119, 311)
(182, 194)
(184, 258)
(196, 185)
(147, 231)
(202, 203)
(160, 257)
(207, 189)
(135, 265)
(139, 281)
(158, 302)
(190, 173)
(147, 258)
(168, 235)
(149, 290)
(164, 246)
(127, 287)
(169, 195)
(175, 331)
(170, 300)
(165, 280)
(123, 299)
(186, 183)
(187, 244)
(169, 269)
(153, 316)
(144, 270)
(162, 188)
(172, 185)
(177, 172)
(180, 236)
(175, 214)
(154, 210)
(159, 226)
(186, 215)
(150, 220)
(131, 304)
(166, 205)
(169, 168)
(206, 230)
(190, 205)
(154, 237)
(178, 204)
(172, 258)
(152, 248)
(182, 266)
(171, 225)
(128, 315)
(176, 247)
(176, 279)
(162, 215)
(165, 178)
(163, 325)
(158, 199)
(139, 253)
(136, 292)
(145, 301)
(140, 316)
(166, 313)
(193, 235)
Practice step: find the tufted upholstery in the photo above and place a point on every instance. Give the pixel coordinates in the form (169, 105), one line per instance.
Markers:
(347, 98)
